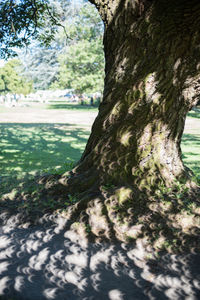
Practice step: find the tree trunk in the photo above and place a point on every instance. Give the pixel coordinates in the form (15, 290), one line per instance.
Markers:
(151, 83)
(152, 80)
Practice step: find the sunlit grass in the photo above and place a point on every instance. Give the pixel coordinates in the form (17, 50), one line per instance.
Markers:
(191, 141)
(27, 148)
(191, 152)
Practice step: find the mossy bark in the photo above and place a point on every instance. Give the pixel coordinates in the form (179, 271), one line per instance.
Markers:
(152, 80)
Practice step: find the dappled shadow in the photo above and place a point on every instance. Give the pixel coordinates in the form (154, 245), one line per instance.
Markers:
(38, 146)
(191, 155)
(47, 261)
(194, 114)
(71, 106)
(188, 138)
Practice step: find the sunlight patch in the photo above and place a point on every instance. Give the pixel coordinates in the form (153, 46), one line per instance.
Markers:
(3, 284)
(19, 280)
(115, 295)
(50, 293)
(125, 138)
(3, 267)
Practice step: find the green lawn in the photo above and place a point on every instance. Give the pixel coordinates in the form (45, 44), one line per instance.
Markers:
(191, 152)
(191, 142)
(37, 138)
(38, 147)
(32, 147)
(68, 106)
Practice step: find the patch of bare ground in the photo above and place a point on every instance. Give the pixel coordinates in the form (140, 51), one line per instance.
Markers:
(39, 114)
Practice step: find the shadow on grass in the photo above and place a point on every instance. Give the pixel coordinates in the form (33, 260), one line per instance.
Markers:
(71, 107)
(194, 113)
(191, 152)
(33, 147)
(29, 150)
(191, 139)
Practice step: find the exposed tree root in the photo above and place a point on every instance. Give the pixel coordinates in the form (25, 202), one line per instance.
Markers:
(164, 219)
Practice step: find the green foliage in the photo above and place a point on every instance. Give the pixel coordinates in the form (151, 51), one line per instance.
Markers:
(82, 63)
(11, 81)
(71, 200)
(88, 228)
(108, 186)
(22, 20)
(82, 67)
(85, 24)
(2, 83)
(74, 58)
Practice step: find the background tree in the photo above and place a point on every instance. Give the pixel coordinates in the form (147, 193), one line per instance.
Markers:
(75, 61)
(2, 84)
(82, 63)
(11, 81)
(40, 65)
(40, 57)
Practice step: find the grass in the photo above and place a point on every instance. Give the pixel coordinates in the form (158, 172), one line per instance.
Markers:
(27, 148)
(76, 107)
(191, 141)
(30, 148)
(191, 152)
(194, 113)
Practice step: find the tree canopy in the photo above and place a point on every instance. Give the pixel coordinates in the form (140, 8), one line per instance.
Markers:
(75, 61)
(11, 80)
(20, 21)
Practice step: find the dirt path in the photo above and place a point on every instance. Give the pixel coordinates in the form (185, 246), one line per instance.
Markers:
(36, 114)
(46, 261)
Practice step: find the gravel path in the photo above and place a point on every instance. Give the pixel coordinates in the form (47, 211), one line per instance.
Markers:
(47, 261)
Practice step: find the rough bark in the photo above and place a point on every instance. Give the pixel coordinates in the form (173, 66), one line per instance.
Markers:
(152, 80)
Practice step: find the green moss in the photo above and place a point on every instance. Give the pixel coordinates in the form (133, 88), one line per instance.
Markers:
(125, 138)
(123, 194)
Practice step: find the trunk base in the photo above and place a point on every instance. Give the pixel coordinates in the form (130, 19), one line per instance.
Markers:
(163, 219)
(166, 219)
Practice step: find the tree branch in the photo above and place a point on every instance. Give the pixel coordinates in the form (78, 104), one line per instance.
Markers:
(56, 21)
(106, 8)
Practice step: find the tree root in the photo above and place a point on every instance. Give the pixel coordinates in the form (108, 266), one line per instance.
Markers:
(163, 220)
(166, 223)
